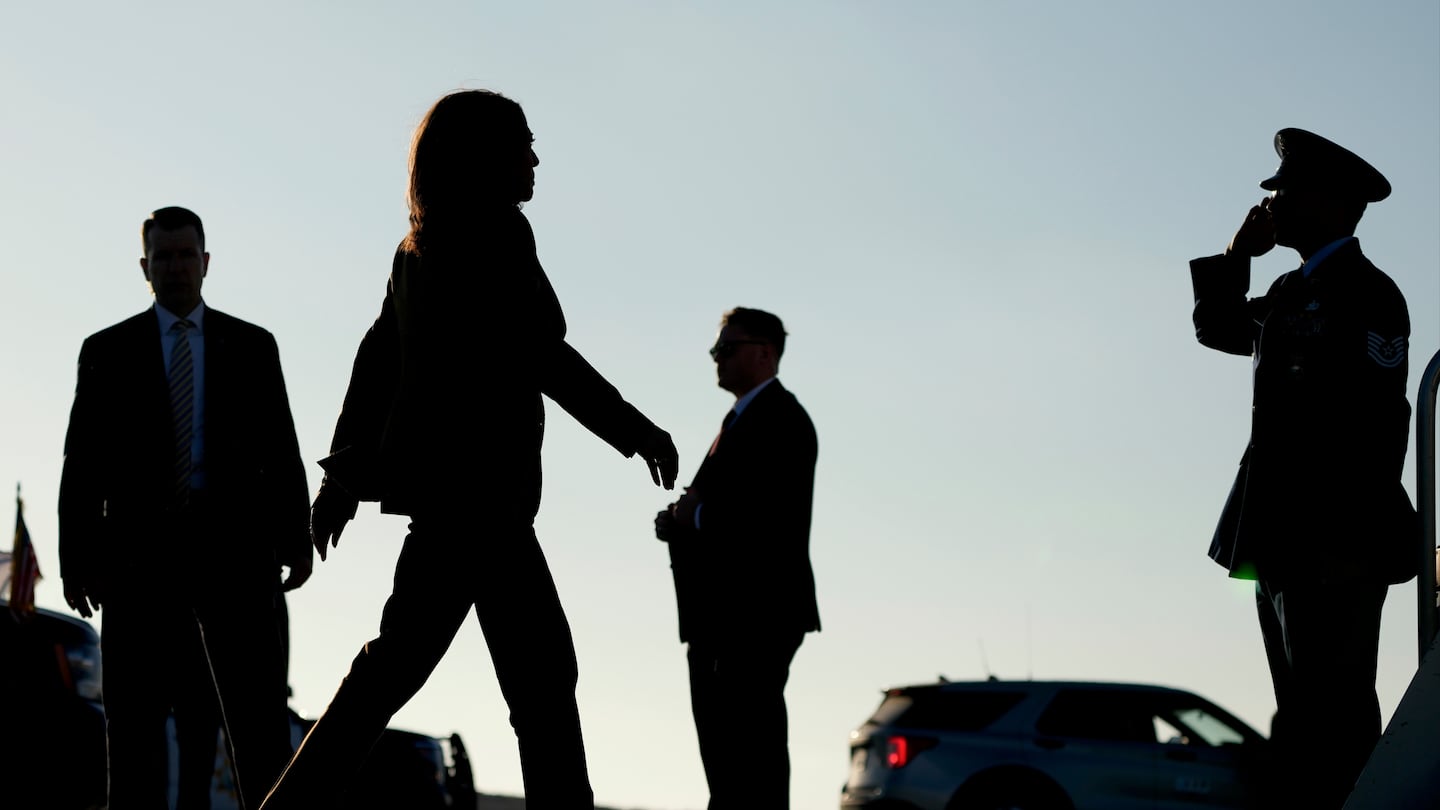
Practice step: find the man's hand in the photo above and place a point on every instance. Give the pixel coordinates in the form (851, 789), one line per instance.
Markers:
(333, 508)
(683, 510)
(300, 571)
(80, 599)
(1257, 233)
(659, 453)
(677, 521)
(665, 528)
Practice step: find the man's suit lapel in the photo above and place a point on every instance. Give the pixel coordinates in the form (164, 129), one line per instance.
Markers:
(143, 344)
(135, 377)
(733, 436)
(220, 402)
(215, 349)
(758, 410)
(140, 344)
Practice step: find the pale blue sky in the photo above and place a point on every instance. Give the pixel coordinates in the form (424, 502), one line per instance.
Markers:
(975, 219)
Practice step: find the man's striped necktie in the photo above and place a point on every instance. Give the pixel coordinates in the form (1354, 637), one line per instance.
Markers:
(182, 407)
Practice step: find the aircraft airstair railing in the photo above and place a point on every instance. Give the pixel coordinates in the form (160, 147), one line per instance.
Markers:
(1425, 503)
(1404, 770)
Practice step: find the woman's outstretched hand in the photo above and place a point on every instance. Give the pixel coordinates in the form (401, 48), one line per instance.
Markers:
(332, 509)
(659, 453)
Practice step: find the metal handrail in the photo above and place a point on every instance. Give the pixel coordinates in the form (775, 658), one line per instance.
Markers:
(1425, 500)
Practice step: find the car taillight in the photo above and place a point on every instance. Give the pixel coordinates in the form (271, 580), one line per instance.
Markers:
(900, 749)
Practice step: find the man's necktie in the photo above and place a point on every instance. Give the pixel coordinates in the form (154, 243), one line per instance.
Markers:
(724, 425)
(182, 407)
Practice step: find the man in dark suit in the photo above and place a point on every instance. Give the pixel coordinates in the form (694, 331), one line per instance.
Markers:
(1318, 514)
(183, 495)
(739, 541)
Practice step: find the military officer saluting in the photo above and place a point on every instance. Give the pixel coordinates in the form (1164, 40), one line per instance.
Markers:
(1318, 515)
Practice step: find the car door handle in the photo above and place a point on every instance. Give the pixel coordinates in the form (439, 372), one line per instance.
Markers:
(1181, 755)
(1049, 744)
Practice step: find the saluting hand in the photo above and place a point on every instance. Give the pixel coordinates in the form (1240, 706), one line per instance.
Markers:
(1257, 233)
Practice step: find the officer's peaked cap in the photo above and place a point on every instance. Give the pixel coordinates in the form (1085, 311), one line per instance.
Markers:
(1308, 160)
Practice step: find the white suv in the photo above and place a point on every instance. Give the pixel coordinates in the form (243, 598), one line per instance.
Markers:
(1051, 745)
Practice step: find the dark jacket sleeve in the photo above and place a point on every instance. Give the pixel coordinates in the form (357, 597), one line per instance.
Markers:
(284, 470)
(570, 380)
(355, 457)
(82, 506)
(1361, 382)
(1224, 319)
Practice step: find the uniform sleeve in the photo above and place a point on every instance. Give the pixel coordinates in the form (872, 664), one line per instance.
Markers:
(1224, 319)
(1368, 378)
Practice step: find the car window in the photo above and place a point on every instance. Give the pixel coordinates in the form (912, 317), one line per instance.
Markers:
(957, 710)
(1204, 727)
(1136, 717)
(890, 708)
(1098, 715)
(1168, 733)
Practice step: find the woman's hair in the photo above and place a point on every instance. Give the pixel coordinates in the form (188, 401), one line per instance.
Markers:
(454, 159)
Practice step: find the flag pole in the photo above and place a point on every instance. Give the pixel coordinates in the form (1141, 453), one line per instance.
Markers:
(24, 567)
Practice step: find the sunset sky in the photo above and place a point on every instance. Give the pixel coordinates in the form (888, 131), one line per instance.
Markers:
(974, 218)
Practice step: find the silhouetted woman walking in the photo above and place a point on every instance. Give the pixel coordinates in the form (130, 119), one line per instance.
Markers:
(443, 422)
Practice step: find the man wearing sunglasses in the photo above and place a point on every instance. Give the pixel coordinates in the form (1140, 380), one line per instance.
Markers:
(739, 542)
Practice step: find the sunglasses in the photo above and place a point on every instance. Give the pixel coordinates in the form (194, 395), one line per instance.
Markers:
(725, 348)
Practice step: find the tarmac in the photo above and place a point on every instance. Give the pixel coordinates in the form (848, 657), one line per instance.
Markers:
(487, 802)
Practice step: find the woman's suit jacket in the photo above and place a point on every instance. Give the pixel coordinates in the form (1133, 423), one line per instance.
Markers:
(444, 410)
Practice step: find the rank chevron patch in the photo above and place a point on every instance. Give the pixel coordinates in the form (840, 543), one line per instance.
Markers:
(1386, 353)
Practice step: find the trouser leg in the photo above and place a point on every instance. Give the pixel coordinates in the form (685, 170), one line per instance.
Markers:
(534, 656)
(197, 726)
(738, 696)
(708, 710)
(1272, 783)
(430, 599)
(1272, 634)
(762, 687)
(138, 668)
(243, 646)
(1331, 714)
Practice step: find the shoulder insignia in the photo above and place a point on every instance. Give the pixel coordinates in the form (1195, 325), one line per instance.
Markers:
(1386, 353)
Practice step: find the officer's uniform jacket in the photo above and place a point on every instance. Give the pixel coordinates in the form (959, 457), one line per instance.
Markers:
(1318, 497)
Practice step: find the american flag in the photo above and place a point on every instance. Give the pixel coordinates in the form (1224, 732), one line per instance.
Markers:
(24, 567)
